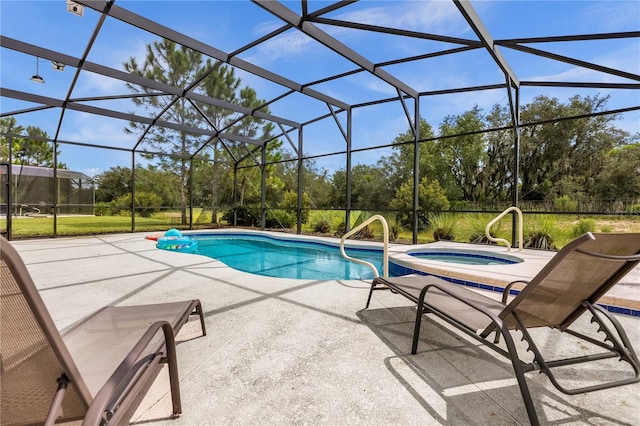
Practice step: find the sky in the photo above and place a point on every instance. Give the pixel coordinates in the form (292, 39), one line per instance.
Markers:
(230, 25)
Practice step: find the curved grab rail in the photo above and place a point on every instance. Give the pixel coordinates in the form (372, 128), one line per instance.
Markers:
(502, 240)
(385, 254)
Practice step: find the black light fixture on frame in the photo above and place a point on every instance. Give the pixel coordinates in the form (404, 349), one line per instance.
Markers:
(36, 77)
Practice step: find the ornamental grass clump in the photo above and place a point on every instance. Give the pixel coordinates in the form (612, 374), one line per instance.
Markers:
(478, 224)
(542, 233)
(322, 227)
(583, 226)
(443, 225)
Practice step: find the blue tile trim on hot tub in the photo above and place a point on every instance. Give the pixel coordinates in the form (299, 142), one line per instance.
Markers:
(435, 254)
(399, 270)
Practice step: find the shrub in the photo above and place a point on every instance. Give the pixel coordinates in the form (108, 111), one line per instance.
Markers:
(322, 227)
(565, 204)
(539, 240)
(244, 215)
(432, 197)
(444, 226)
(633, 208)
(542, 234)
(102, 209)
(606, 228)
(478, 224)
(480, 237)
(583, 226)
(290, 203)
(394, 230)
(147, 203)
(365, 233)
(280, 219)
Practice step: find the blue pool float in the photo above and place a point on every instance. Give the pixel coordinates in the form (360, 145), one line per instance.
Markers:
(174, 240)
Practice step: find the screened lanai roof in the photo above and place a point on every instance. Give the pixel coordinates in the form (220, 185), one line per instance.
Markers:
(47, 172)
(345, 72)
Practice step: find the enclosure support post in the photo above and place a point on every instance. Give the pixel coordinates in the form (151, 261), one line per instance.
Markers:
(191, 193)
(416, 169)
(515, 117)
(300, 177)
(7, 196)
(347, 219)
(56, 189)
(133, 191)
(263, 186)
(80, 209)
(235, 194)
(9, 186)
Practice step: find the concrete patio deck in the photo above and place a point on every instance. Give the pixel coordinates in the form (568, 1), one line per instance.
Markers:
(282, 351)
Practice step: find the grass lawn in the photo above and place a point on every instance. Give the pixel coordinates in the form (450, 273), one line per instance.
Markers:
(562, 228)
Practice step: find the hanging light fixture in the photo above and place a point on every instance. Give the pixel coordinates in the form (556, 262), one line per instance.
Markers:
(36, 77)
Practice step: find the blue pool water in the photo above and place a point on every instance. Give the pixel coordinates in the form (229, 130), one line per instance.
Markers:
(275, 257)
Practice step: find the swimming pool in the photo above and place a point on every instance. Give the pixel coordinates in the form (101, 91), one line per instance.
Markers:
(287, 258)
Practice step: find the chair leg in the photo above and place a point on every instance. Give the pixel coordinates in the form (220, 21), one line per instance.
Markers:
(621, 343)
(496, 339)
(56, 405)
(416, 328)
(172, 362)
(519, 372)
(373, 285)
(419, 312)
(200, 313)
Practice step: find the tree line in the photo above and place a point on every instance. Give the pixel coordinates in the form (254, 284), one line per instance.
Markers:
(465, 166)
(469, 160)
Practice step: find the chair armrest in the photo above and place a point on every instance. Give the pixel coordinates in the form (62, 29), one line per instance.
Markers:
(460, 294)
(129, 364)
(507, 289)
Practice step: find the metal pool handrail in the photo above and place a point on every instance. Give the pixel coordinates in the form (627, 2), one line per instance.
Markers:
(385, 255)
(502, 240)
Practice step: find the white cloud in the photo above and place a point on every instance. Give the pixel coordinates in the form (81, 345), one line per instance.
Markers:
(613, 15)
(88, 128)
(91, 84)
(92, 171)
(427, 16)
(265, 28)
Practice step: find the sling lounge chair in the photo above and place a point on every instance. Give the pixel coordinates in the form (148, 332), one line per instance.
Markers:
(92, 372)
(569, 285)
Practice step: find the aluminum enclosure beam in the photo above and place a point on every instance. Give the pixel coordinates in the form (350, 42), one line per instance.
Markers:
(165, 32)
(290, 17)
(163, 88)
(52, 102)
(481, 31)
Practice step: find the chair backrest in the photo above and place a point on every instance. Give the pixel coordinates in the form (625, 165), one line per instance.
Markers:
(33, 355)
(584, 270)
